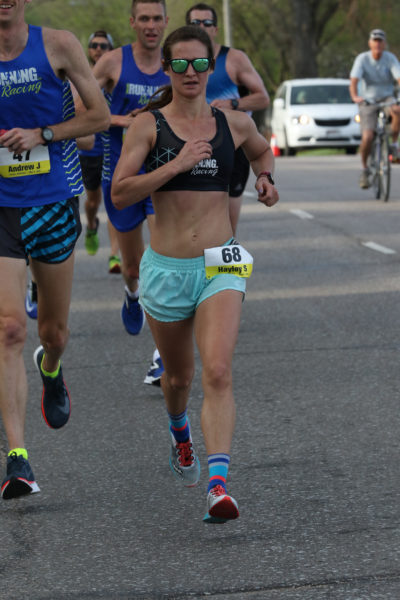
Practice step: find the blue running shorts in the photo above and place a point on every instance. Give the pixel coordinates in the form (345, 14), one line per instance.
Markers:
(171, 289)
(128, 218)
(47, 233)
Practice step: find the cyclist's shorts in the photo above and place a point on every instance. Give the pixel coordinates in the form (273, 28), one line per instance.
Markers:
(46, 233)
(240, 174)
(128, 218)
(91, 167)
(171, 289)
(369, 114)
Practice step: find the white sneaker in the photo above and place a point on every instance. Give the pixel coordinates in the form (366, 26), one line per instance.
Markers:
(221, 507)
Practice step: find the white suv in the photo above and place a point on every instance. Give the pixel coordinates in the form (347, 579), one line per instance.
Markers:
(315, 113)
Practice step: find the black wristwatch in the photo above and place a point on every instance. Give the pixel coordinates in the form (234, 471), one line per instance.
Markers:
(235, 103)
(47, 135)
(268, 175)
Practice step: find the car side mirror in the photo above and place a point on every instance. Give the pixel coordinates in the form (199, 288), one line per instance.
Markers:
(279, 103)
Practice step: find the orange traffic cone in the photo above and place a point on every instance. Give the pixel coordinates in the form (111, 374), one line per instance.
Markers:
(274, 146)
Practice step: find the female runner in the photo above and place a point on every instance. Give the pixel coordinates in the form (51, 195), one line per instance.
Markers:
(192, 275)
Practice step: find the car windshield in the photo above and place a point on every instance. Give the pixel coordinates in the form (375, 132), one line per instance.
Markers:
(320, 94)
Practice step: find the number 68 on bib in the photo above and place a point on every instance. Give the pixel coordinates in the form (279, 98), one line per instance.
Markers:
(230, 260)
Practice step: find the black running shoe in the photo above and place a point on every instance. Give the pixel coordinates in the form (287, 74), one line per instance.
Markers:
(20, 479)
(56, 403)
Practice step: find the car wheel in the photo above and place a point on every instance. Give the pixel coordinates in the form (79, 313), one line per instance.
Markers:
(351, 149)
(287, 150)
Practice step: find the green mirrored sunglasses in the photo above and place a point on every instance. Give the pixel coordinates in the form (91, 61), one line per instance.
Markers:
(180, 65)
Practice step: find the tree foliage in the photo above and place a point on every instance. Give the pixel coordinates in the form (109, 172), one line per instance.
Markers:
(284, 38)
(83, 17)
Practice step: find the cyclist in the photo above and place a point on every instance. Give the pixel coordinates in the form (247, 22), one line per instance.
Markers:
(377, 71)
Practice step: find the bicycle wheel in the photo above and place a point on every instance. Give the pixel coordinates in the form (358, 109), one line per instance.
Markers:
(373, 166)
(384, 170)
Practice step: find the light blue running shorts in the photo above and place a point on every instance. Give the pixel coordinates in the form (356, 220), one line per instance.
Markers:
(171, 289)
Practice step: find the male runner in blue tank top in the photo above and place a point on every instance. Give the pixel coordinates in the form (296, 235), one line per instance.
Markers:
(233, 68)
(40, 180)
(129, 76)
(91, 160)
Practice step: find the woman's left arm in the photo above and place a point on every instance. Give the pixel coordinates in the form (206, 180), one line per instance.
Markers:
(259, 153)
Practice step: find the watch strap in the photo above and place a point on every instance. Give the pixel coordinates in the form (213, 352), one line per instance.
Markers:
(268, 175)
(47, 135)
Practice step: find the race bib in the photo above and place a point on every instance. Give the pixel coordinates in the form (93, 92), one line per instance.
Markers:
(232, 260)
(29, 162)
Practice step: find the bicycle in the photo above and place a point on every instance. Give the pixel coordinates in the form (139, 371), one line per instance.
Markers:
(379, 163)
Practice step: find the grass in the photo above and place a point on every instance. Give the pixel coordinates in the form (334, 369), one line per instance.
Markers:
(321, 152)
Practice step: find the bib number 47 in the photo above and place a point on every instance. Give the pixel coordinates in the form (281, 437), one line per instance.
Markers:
(20, 157)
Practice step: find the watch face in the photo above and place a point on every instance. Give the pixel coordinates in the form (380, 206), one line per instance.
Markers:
(234, 103)
(47, 134)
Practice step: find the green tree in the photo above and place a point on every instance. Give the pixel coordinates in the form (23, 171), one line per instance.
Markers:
(283, 38)
(83, 17)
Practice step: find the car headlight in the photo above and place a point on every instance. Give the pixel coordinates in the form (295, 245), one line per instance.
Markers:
(301, 120)
(357, 118)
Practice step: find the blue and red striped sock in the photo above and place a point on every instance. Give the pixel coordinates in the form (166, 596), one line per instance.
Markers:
(218, 465)
(179, 426)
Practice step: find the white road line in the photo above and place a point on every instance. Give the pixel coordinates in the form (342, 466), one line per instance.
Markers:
(302, 214)
(378, 248)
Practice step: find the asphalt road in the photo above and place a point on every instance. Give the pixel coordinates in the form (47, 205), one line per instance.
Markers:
(315, 460)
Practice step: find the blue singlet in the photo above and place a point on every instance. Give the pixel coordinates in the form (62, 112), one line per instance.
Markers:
(33, 96)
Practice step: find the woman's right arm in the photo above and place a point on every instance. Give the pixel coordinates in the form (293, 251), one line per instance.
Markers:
(128, 186)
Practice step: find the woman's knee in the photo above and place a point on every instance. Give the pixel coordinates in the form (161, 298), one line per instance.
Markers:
(217, 375)
(179, 382)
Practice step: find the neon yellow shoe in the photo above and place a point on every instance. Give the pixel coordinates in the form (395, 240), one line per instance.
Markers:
(114, 264)
(92, 239)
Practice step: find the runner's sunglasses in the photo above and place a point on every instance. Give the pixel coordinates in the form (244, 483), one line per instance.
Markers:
(180, 65)
(205, 22)
(101, 45)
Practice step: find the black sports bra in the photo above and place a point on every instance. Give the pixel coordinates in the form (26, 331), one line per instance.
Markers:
(211, 174)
